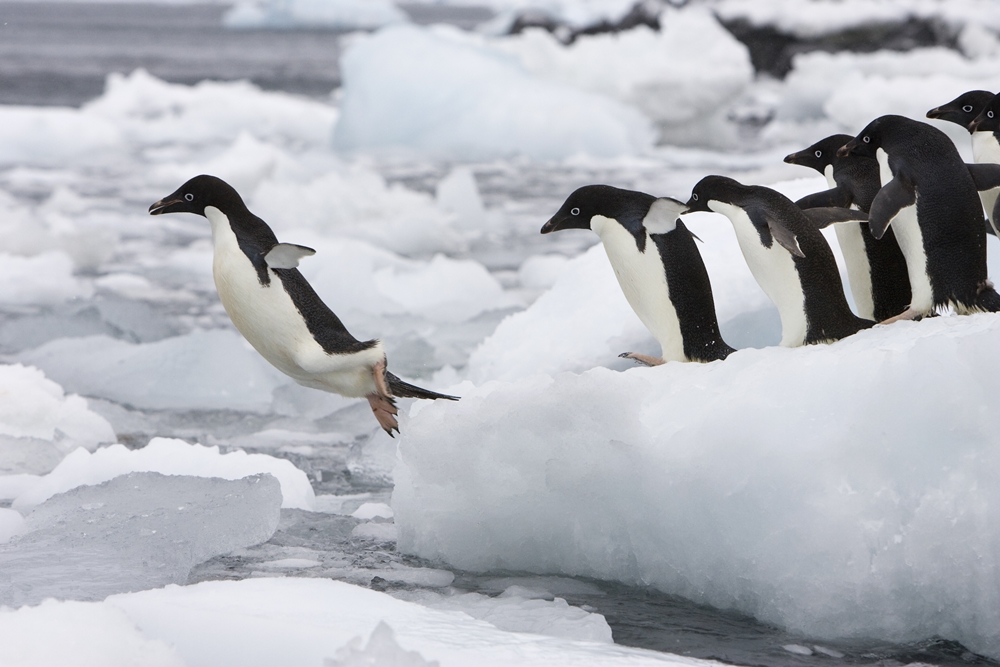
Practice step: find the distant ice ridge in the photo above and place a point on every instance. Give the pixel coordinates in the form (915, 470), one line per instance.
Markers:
(40, 424)
(293, 622)
(134, 532)
(844, 490)
(342, 14)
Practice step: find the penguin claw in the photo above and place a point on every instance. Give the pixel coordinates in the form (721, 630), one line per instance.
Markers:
(385, 411)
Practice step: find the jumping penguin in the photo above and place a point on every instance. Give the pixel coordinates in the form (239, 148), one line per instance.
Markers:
(964, 110)
(657, 265)
(278, 312)
(788, 257)
(876, 268)
(932, 201)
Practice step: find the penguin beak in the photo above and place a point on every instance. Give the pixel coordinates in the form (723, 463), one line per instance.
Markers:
(974, 125)
(847, 148)
(163, 206)
(935, 112)
(554, 224)
(792, 158)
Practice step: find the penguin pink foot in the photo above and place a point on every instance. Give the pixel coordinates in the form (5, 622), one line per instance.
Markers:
(642, 359)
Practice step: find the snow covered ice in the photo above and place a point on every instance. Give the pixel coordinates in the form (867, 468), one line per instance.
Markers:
(840, 494)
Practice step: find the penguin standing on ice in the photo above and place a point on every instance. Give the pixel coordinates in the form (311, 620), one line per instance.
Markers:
(788, 257)
(964, 110)
(876, 268)
(657, 265)
(278, 312)
(932, 201)
(985, 129)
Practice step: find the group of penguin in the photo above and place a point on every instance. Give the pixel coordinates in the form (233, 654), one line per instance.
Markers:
(907, 209)
(908, 215)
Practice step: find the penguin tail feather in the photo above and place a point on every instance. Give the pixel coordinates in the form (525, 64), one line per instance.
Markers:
(406, 390)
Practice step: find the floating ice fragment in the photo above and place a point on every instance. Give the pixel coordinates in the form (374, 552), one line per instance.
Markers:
(382, 650)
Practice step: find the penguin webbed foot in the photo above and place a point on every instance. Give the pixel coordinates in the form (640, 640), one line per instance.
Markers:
(385, 411)
(908, 314)
(642, 359)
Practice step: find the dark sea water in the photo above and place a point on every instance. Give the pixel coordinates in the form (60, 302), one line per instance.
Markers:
(60, 54)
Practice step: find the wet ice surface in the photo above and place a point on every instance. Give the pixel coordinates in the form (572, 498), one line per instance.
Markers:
(120, 307)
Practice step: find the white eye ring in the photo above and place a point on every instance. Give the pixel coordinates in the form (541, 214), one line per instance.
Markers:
(189, 197)
(967, 108)
(819, 153)
(866, 139)
(574, 211)
(694, 196)
(989, 114)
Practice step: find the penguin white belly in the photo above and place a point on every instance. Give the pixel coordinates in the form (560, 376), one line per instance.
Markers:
(268, 319)
(911, 242)
(643, 281)
(775, 272)
(859, 270)
(985, 147)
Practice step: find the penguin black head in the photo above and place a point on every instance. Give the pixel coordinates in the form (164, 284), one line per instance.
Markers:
(869, 139)
(821, 154)
(196, 194)
(988, 119)
(604, 200)
(963, 109)
(719, 188)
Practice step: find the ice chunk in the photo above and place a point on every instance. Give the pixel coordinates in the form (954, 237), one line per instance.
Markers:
(204, 370)
(842, 490)
(300, 622)
(371, 510)
(40, 424)
(54, 136)
(515, 610)
(169, 457)
(10, 523)
(458, 193)
(541, 271)
(41, 279)
(137, 531)
(382, 649)
(88, 635)
(442, 93)
(342, 14)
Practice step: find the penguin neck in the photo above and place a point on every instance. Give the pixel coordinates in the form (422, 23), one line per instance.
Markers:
(220, 224)
(828, 172)
(985, 147)
(884, 171)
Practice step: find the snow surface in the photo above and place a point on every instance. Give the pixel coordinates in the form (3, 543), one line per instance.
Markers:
(295, 622)
(134, 532)
(843, 490)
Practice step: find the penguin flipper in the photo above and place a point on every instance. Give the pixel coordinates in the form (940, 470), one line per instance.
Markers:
(402, 389)
(770, 227)
(832, 197)
(985, 174)
(890, 200)
(286, 255)
(825, 216)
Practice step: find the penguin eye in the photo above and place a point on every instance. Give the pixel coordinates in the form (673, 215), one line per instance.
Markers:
(989, 114)
(189, 197)
(866, 139)
(967, 108)
(694, 196)
(575, 211)
(819, 153)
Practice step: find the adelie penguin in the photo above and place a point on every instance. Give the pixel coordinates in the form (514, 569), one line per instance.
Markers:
(657, 265)
(788, 257)
(985, 129)
(876, 268)
(964, 110)
(929, 196)
(278, 312)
